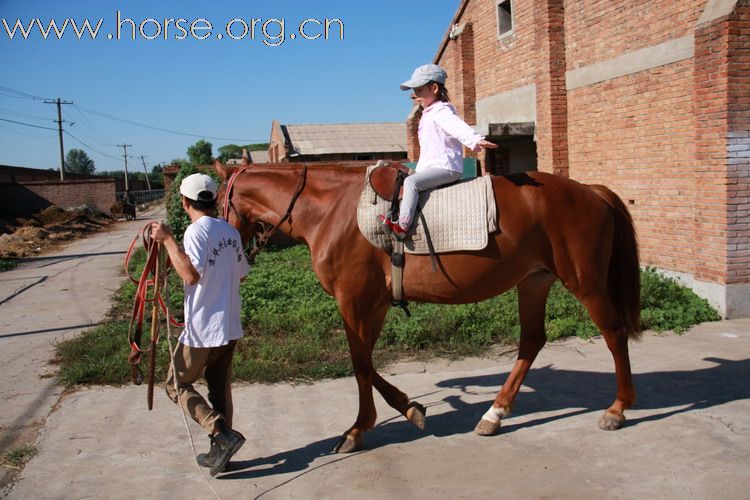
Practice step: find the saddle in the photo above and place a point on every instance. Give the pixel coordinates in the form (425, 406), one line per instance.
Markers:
(458, 217)
(383, 179)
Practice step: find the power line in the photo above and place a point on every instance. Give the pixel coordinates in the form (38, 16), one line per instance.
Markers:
(87, 146)
(84, 118)
(160, 129)
(23, 115)
(27, 124)
(9, 92)
(26, 135)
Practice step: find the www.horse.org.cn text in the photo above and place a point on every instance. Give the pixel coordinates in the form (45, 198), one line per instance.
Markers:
(271, 32)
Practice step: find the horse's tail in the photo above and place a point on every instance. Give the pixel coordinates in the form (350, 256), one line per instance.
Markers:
(624, 282)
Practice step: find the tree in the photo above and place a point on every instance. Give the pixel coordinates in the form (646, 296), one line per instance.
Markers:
(229, 151)
(200, 153)
(78, 162)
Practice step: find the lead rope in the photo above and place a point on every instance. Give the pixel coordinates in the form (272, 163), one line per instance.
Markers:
(174, 379)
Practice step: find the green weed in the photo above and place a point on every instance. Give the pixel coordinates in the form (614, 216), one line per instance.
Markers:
(293, 329)
(18, 457)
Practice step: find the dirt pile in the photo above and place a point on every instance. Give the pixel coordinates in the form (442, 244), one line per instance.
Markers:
(48, 228)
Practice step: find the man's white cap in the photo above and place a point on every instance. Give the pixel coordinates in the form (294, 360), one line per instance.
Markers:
(199, 187)
(424, 75)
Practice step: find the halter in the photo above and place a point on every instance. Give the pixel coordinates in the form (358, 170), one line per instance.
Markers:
(262, 239)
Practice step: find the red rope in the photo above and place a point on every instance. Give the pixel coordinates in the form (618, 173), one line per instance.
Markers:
(148, 290)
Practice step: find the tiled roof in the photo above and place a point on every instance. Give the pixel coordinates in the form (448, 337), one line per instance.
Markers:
(348, 138)
(258, 156)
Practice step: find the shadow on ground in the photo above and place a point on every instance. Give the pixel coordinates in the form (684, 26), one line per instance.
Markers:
(567, 392)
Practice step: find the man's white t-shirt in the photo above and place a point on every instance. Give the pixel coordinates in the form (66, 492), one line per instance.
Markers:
(212, 306)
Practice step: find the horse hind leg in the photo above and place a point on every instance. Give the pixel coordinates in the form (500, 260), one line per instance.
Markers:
(532, 301)
(604, 315)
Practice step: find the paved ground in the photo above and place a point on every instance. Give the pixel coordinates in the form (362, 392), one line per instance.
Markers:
(46, 300)
(688, 436)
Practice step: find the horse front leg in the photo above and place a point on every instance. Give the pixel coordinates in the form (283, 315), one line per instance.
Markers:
(412, 410)
(359, 335)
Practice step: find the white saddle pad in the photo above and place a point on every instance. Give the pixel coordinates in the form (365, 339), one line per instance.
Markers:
(458, 217)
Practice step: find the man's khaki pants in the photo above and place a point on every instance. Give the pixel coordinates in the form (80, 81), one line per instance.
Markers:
(215, 363)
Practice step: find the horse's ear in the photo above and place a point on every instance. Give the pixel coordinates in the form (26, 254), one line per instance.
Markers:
(245, 162)
(221, 169)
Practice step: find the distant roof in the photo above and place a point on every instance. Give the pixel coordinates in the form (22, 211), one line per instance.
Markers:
(258, 156)
(320, 139)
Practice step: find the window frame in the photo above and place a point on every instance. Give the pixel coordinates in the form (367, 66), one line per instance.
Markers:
(512, 29)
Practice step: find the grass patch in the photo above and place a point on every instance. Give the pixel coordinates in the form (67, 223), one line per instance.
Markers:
(667, 305)
(293, 330)
(18, 457)
(7, 265)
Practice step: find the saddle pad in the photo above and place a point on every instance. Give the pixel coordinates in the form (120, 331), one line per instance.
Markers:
(459, 217)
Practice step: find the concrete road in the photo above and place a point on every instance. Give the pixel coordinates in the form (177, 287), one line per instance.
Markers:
(687, 437)
(46, 300)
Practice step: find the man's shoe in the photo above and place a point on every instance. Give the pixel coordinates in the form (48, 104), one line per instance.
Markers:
(228, 442)
(208, 459)
(394, 228)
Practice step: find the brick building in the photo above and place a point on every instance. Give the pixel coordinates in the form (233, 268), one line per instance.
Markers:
(651, 98)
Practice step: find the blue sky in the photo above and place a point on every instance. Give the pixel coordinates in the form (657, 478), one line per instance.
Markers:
(223, 88)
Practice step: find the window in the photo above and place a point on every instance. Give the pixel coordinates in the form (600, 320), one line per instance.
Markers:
(504, 18)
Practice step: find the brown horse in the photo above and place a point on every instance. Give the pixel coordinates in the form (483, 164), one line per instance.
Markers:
(550, 228)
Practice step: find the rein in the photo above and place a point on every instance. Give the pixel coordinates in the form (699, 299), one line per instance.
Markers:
(262, 239)
(148, 291)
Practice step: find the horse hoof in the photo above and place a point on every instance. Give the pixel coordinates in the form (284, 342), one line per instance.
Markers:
(416, 414)
(611, 421)
(487, 428)
(349, 444)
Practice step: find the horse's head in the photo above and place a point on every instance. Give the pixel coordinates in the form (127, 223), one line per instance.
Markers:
(231, 207)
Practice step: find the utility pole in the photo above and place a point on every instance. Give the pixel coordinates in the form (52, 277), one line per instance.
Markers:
(59, 121)
(125, 155)
(148, 182)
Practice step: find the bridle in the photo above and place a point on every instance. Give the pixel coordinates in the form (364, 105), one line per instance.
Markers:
(261, 240)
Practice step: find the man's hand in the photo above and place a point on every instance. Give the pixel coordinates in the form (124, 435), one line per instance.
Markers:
(160, 231)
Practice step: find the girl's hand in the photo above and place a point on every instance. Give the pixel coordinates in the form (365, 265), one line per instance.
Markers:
(485, 144)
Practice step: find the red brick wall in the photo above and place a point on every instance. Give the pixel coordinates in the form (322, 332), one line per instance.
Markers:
(711, 113)
(95, 193)
(277, 147)
(598, 30)
(738, 146)
(502, 64)
(551, 93)
(672, 141)
(635, 134)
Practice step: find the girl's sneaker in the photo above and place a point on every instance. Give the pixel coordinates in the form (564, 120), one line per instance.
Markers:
(393, 227)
